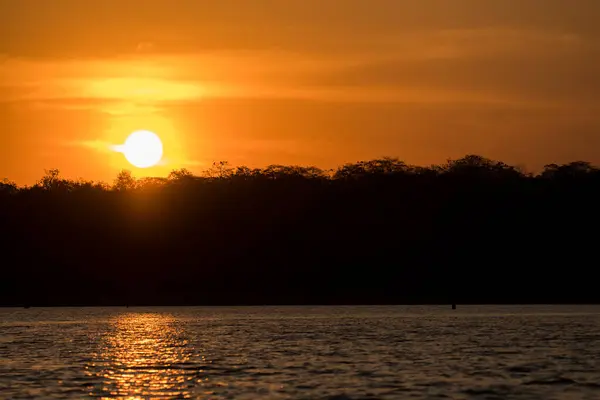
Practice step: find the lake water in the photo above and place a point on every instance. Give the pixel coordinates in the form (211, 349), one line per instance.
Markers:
(485, 352)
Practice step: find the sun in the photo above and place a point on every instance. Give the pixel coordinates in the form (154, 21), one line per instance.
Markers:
(143, 149)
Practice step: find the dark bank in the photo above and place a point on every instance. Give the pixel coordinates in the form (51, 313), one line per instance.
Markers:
(472, 230)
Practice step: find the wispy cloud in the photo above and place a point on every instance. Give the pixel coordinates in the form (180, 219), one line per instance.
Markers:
(96, 145)
(101, 146)
(445, 65)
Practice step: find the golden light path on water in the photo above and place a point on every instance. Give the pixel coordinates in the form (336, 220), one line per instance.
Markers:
(144, 356)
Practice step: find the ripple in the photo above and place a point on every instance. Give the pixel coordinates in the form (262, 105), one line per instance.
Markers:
(304, 353)
(552, 381)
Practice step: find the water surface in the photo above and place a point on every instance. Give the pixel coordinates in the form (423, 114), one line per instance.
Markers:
(485, 352)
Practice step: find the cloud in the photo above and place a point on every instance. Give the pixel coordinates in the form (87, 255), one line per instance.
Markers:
(96, 145)
(491, 65)
(101, 146)
(110, 28)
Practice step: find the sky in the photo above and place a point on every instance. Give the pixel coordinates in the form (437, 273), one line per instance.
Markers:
(303, 82)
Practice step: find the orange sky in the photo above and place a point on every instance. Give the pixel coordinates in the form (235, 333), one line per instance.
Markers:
(296, 82)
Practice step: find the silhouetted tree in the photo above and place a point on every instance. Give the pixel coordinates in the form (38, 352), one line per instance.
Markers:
(125, 181)
(7, 187)
(180, 175)
(219, 170)
(52, 181)
(574, 170)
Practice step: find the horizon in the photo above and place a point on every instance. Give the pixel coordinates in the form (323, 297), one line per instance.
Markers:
(226, 170)
(296, 82)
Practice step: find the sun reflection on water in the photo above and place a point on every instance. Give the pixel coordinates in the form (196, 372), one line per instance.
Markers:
(145, 355)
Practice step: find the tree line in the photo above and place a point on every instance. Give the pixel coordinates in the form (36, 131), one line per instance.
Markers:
(471, 230)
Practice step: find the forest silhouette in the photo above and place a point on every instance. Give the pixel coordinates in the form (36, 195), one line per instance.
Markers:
(472, 230)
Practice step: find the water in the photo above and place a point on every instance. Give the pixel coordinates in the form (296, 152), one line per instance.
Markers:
(537, 352)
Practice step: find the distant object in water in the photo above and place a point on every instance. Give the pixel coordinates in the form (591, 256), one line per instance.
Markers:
(453, 306)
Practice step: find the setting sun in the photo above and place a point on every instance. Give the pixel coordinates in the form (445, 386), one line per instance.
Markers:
(143, 149)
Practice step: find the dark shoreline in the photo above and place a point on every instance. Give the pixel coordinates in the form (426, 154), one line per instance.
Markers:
(376, 232)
